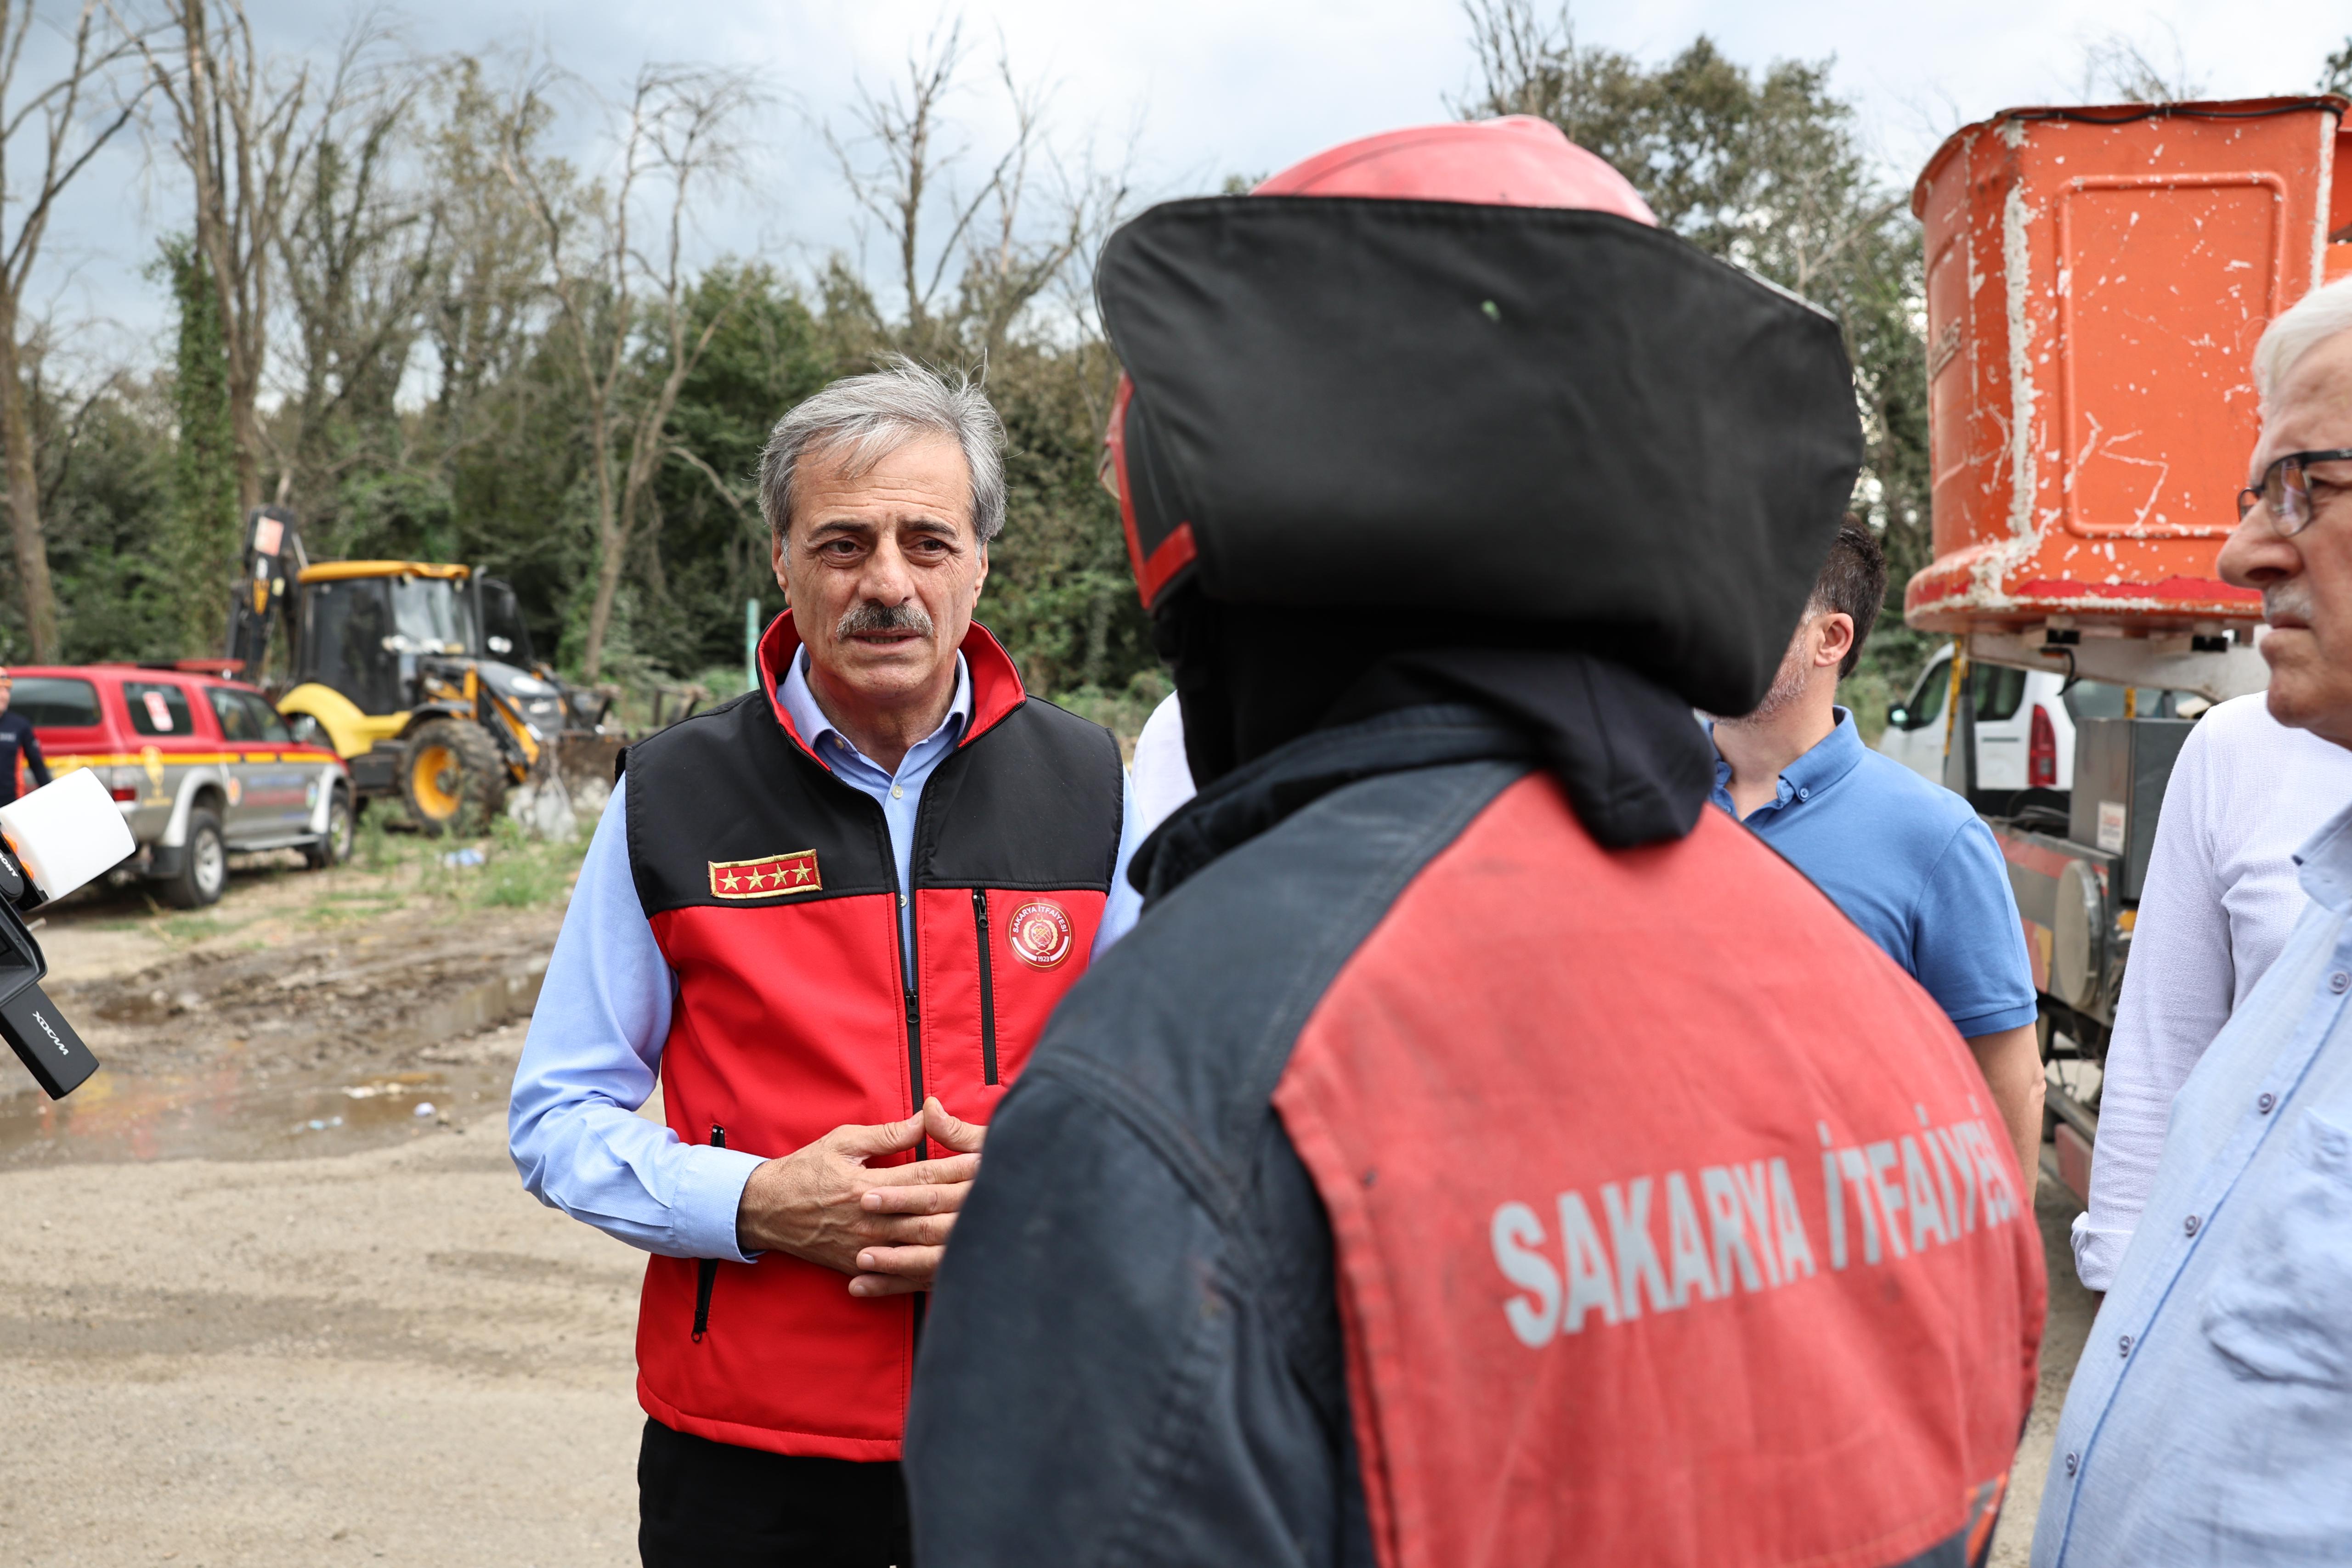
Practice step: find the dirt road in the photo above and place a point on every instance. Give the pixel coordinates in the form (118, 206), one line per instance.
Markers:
(390, 1355)
(258, 1312)
(258, 1309)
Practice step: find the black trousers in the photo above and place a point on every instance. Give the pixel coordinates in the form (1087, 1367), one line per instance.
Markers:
(703, 1504)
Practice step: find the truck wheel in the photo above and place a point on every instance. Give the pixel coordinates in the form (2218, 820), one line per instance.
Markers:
(204, 865)
(451, 776)
(336, 846)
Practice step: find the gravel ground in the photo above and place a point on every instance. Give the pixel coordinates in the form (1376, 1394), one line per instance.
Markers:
(394, 1354)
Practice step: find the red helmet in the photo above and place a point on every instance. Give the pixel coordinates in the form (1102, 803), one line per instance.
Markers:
(1516, 162)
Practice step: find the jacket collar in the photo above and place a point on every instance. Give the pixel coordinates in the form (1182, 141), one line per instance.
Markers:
(1630, 759)
(996, 689)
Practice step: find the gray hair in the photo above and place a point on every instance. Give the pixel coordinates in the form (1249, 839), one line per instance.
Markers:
(2302, 327)
(865, 418)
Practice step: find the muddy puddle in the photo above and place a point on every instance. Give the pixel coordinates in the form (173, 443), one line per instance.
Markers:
(275, 1028)
(229, 1111)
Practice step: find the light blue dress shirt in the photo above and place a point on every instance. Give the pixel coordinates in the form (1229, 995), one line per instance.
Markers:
(593, 1053)
(2210, 1421)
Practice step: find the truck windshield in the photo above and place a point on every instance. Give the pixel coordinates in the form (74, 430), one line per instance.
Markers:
(2097, 699)
(430, 615)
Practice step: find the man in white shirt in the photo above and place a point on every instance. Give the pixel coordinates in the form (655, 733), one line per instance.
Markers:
(1160, 778)
(2221, 896)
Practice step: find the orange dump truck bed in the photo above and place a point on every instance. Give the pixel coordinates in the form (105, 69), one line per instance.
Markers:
(2097, 280)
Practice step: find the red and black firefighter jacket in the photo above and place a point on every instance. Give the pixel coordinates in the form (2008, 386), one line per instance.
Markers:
(1441, 1173)
(771, 890)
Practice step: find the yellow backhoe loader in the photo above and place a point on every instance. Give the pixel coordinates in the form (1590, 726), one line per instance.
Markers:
(419, 673)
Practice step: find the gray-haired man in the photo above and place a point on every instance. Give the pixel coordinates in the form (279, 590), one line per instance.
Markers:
(2210, 1421)
(832, 916)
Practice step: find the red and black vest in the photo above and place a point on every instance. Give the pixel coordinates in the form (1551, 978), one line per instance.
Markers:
(774, 894)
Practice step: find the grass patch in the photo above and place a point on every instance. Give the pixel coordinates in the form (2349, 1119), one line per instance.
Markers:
(187, 930)
(517, 871)
(522, 872)
(374, 848)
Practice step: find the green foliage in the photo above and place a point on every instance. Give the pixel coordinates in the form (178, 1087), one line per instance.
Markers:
(106, 483)
(200, 541)
(710, 552)
(2335, 72)
(1121, 712)
(1060, 594)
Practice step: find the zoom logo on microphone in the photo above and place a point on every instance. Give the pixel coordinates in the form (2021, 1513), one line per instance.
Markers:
(63, 1049)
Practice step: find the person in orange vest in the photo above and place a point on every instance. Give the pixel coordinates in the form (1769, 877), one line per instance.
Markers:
(1479, 1151)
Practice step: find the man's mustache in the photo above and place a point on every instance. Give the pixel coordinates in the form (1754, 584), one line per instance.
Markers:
(868, 617)
(2289, 602)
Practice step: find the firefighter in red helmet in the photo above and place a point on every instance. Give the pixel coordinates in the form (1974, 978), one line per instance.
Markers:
(1442, 1172)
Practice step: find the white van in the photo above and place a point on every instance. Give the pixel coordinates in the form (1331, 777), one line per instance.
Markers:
(2025, 722)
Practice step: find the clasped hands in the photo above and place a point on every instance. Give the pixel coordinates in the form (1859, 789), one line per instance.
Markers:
(886, 1228)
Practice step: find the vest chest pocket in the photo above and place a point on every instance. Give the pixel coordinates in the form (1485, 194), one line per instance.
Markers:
(992, 962)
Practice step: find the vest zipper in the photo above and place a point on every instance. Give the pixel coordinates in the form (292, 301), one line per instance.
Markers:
(706, 1268)
(987, 988)
(915, 1060)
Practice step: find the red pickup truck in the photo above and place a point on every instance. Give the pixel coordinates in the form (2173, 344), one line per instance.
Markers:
(199, 765)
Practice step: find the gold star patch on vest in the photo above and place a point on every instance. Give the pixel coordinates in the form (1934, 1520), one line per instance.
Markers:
(768, 877)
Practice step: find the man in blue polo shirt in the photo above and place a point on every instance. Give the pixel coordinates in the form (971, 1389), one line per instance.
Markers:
(1907, 860)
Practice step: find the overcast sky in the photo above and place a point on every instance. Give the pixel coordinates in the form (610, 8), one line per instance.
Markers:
(1203, 89)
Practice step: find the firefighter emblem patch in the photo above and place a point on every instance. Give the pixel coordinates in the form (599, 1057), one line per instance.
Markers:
(767, 877)
(1042, 932)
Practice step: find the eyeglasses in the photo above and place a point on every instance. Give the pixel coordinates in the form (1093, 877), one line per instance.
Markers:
(2287, 490)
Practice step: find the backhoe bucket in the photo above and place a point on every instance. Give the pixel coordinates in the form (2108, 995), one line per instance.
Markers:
(583, 760)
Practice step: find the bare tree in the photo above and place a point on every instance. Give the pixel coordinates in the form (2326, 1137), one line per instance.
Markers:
(1010, 262)
(241, 128)
(616, 294)
(899, 163)
(64, 134)
(489, 298)
(358, 256)
(2116, 64)
(895, 191)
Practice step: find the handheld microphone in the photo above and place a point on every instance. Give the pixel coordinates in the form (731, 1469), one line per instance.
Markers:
(56, 837)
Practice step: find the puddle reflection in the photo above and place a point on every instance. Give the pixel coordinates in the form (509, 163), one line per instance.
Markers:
(230, 1112)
